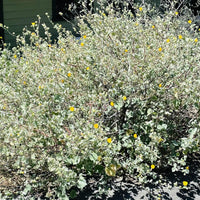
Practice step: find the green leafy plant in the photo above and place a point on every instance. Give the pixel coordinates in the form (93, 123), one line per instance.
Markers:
(121, 100)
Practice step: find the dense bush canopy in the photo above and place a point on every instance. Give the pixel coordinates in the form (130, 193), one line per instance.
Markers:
(124, 99)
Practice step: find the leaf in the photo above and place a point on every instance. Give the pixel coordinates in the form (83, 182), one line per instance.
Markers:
(129, 114)
(73, 194)
(27, 189)
(110, 172)
(175, 143)
(33, 156)
(93, 157)
(119, 105)
(192, 132)
(174, 168)
(162, 127)
(75, 160)
(81, 182)
(149, 111)
(112, 169)
(176, 95)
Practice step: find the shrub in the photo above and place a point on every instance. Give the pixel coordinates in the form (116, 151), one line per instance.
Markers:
(121, 100)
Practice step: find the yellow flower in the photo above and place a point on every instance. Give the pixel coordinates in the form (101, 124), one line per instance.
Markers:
(168, 40)
(189, 21)
(69, 74)
(96, 126)
(126, 50)
(187, 168)
(196, 40)
(40, 87)
(1, 37)
(49, 45)
(111, 103)
(62, 81)
(33, 23)
(124, 98)
(82, 44)
(4, 106)
(24, 82)
(135, 135)
(87, 68)
(153, 166)
(33, 34)
(104, 14)
(160, 49)
(84, 36)
(176, 13)
(99, 158)
(36, 44)
(160, 140)
(153, 26)
(136, 24)
(71, 109)
(185, 183)
(160, 85)
(180, 37)
(140, 8)
(109, 140)
(15, 56)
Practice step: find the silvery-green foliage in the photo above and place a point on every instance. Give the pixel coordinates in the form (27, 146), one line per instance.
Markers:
(122, 99)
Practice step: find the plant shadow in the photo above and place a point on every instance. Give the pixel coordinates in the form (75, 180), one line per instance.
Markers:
(128, 189)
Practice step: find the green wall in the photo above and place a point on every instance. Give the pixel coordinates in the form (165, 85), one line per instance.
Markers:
(1, 22)
(21, 13)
